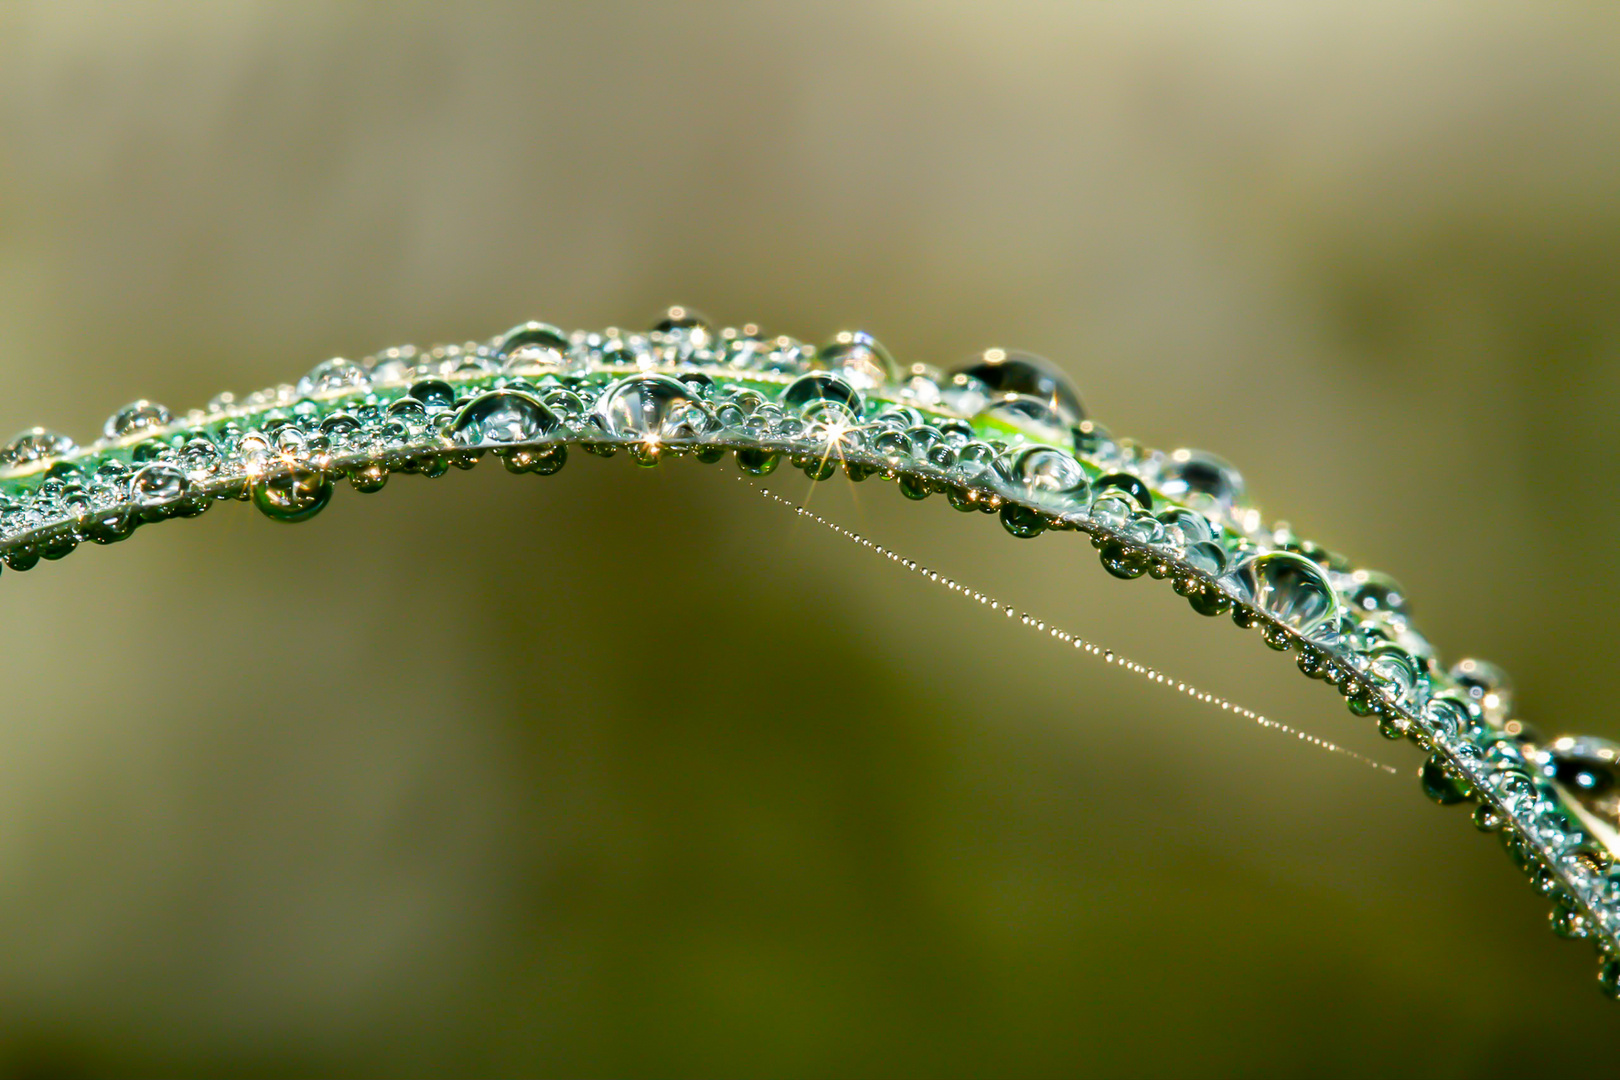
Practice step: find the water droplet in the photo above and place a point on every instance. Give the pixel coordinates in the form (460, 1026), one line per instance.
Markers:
(1027, 415)
(1017, 373)
(860, 359)
(1291, 589)
(813, 392)
(1586, 769)
(1488, 686)
(291, 491)
(370, 477)
(501, 418)
(391, 365)
(681, 317)
(1448, 714)
(921, 385)
(159, 487)
(1609, 978)
(334, 375)
(1121, 560)
(135, 417)
(1394, 670)
(1488, 818)
(1441, 784)
(1116, 483)
(685, 335)
(1199, 478)
(1193, 526)
(1371, 591)
(534, 348)
(652, 408)
(757, 462)
(1566, 922)
(34, 444)
(1050, 478)
(1207, 556)
(427, 394)
(1020, 521)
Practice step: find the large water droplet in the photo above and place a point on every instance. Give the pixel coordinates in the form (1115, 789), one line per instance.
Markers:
(291, 491)
(534, 348)
(812, 393)
(135, 417)
(860, 359)
(1199, 478)
(1291, 589)
(652, 407)
(334, 375)
(1029, 415)
(501, 418)
(159, 486)
(1025, 374)
(34, 444)
(1047, 477)
(1193, 527)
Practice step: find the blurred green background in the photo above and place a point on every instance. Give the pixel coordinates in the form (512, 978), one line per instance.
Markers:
(624, 772)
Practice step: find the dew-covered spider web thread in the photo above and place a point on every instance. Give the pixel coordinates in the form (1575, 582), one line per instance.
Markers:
(1057, 633)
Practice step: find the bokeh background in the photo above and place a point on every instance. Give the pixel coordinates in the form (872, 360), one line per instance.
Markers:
(624, 772)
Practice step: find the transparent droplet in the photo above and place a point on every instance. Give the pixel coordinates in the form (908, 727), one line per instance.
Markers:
(1395, 670)
(1003, 372)
(1371, 591)
(392, 365)
(652, 407)
(1291, 589)
(686, 335)
(501, 418)
(1022, 522)
(921, 385)
(860, 359)
(814, 391)
(1030, 416)
(334, 375)
(291, 491)
(1441, 782)
(200, 456)
(432, 393)
(1448, 714)
(35, 444)
(1207, 556)
(1201, 479)
(159, 486)
(135, 417)
(1587, 770)
(1194, 527)
(1125, 484)
(1488, 686)
(681, 317)
(534, 348)
(1048, 477)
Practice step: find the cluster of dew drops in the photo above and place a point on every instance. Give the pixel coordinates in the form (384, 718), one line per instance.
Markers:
(1004, 433)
